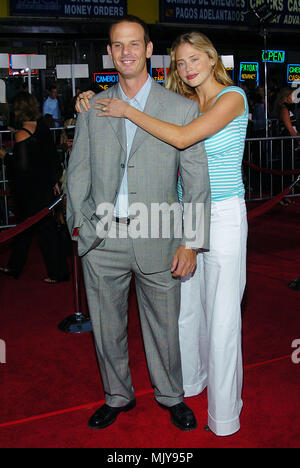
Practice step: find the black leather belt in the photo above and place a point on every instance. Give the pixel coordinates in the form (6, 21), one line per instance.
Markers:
(122, 220)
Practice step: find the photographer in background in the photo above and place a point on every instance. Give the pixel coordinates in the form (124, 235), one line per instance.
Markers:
(35, 175)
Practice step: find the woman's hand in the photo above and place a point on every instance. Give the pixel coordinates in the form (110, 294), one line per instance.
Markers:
(83, 101)
(184, 262)
(56, 189)
(111, 107)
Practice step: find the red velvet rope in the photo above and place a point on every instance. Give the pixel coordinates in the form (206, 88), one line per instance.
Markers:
(12, 232)
(4, 194)
(271, 171)
(267, 206)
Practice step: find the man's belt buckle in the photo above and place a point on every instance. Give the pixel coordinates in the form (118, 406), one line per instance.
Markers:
(122, 220)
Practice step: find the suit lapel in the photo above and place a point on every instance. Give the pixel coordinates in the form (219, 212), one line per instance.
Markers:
(118, 125)
(153, 107)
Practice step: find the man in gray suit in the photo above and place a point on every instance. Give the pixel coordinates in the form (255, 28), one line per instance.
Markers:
(115, 164)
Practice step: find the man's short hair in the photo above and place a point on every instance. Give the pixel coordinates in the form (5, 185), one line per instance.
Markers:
(132, 19)
(51, 87)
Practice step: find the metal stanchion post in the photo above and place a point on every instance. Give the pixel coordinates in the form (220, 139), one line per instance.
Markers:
(295, 284)
(78, 322)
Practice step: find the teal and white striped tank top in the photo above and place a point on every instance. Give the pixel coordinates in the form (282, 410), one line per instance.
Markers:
(225, 150)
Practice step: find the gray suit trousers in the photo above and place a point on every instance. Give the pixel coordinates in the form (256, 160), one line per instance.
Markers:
(108, 271)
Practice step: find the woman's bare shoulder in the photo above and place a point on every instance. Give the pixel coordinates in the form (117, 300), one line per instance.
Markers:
(21, 135)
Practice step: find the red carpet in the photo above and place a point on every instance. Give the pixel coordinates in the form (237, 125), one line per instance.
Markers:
(50, 384)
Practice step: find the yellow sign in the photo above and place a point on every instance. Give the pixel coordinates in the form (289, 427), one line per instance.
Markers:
(249, 71)
(293, 73)
(4, 8)
(148, 11)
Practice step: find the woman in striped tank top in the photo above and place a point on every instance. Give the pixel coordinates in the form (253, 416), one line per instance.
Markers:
(210, 317)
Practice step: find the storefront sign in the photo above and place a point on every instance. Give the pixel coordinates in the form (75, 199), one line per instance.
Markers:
(203, 11)
(224, 12)
(230, 72)
(22, 67)
(4, 61)
(70, 8)
(274, 56)
(293, 73)
(106, 80)
(160, 65)
(249, 71)
(158, 74)
(228, 62)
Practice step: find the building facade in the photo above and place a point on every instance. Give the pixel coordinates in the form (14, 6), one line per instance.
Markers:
(69, 32)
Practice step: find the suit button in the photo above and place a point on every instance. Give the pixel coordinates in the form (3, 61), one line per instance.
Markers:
(122, 166)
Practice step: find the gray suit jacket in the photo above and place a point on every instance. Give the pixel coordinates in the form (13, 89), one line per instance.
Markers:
(96, 169)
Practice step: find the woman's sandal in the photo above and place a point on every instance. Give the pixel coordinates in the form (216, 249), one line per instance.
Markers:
(55, 281)
(50, 281)
(8, 272)
(5, 271)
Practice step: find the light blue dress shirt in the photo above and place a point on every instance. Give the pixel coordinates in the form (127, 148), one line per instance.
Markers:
(51, 107)
(138, 102)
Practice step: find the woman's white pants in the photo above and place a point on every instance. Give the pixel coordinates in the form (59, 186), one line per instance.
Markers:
(210, 318)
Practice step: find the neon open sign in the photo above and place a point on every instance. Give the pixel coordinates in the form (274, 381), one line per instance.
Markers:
(275, 56)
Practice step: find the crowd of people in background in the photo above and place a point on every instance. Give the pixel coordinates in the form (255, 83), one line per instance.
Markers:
(283, 111)
(55, 107)
(34, 172)
(59, 114)
(281, 155)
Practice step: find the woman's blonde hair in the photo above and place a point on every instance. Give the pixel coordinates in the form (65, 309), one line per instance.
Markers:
(203, 44)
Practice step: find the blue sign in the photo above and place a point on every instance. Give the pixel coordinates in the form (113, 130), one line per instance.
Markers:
(70, 8)
(293, 73)
(232, 12)
(106, 80)
(249, 71)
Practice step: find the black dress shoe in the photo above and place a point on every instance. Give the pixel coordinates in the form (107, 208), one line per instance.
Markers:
(107, 415)
(181, 416)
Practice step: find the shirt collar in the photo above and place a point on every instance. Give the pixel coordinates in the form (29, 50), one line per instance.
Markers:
(142, 96)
